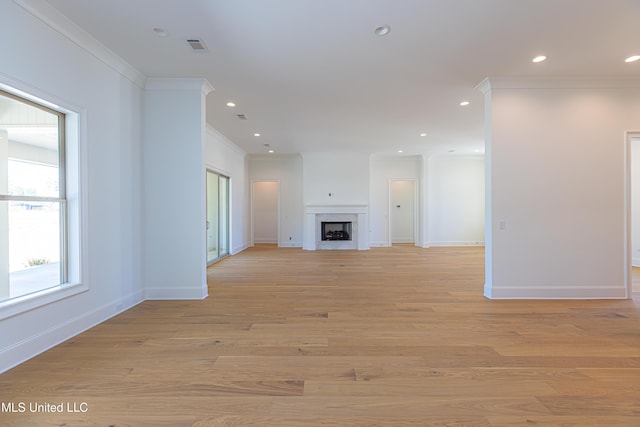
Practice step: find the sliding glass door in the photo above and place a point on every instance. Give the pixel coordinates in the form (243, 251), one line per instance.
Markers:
(217, 216)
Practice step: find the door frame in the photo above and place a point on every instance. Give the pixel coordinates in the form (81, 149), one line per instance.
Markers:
(628, 227)
(415, 209)
(251, 210)
(229, 217)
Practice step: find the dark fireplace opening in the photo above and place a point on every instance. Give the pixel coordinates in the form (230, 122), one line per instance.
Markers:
(336, 230)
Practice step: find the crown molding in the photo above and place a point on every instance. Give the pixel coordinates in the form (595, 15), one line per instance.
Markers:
(181, 84)
(224, 140)
(564, 82)
(52, 17)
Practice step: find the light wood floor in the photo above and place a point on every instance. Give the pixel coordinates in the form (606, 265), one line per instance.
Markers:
(388, 337)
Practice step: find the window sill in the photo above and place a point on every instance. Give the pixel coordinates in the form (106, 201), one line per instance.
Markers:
(18, 305)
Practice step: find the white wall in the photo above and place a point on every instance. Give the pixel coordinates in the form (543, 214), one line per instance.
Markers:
(456, 200)
(635, 202)
(51, 66)
(336, 178)
(221, 155)
(383, 169)
(287, 170)
(556, 160)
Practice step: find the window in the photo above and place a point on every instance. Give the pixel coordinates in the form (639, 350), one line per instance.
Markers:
(33, 204)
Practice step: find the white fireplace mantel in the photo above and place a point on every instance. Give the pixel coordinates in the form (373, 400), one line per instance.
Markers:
(313, 214)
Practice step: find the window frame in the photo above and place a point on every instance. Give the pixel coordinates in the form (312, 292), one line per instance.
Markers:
(72, 169)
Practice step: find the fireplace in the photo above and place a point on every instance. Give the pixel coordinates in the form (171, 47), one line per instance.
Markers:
(336, 230)
(348, 225)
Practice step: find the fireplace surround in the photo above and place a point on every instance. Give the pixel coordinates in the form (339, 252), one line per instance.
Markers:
(315, 215)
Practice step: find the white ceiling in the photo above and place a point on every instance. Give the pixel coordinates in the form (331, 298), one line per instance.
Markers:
(311, 75)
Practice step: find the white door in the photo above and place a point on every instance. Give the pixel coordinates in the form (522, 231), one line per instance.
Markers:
(402, 211)
(265, 212)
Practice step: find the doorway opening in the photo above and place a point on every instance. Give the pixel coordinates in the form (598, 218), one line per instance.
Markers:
(265, 212)
(403, 211)
(218, 221)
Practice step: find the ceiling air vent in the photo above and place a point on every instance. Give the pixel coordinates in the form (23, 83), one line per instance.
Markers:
(197, 45)
(241, 116)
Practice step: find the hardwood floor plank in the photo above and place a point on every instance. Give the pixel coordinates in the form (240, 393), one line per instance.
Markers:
(545, 421)
(430, 387)
(400, 407)
(398, 336)
(332, 421)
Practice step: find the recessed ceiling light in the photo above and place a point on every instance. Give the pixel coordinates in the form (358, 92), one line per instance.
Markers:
(477, 151)
(633, 58)
(423, 134)
(382, 30)
(256, 134)
(271, 151)
(231, 104)
(539, 58)
(464, 103)
(400, 151)
(452, 151)
(160, 32)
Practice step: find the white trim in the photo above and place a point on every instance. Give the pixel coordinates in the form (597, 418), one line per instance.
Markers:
(266, 241)
(455, 243)
(240, 248)
(178, 84)
(52, 17)
(193, 293)
(635, 262)
(18, 305)
(76, 150)
(44, 340)
(380, 244)
(560, 292)
(291, 244)
(227, 175)
(627, 238)
(336, 209)
(575, 82)
(224, 140)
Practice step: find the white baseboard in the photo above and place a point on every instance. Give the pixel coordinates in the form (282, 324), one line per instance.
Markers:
(239, 248)
(455, 243)
(548, 292)
(290, 244)
(34, 345)
(176, 293)
(401, 240)
(635, 262)
(380, 244)
(265, 241)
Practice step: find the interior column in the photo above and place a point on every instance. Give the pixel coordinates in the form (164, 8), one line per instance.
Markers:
(174, 235)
